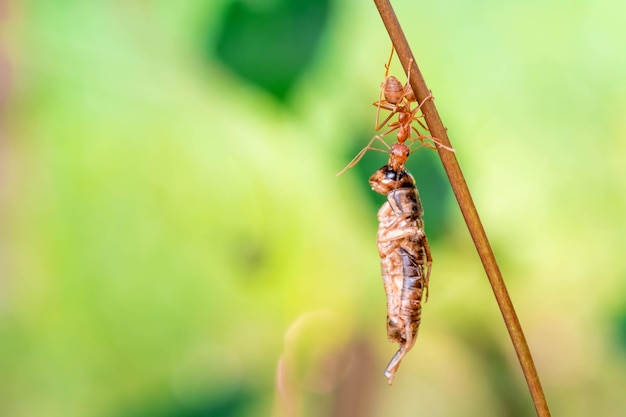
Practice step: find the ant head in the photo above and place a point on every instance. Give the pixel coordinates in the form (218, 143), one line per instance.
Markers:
(398, 155)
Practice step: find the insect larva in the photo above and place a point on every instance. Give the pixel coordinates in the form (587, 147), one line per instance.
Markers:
(405, 257)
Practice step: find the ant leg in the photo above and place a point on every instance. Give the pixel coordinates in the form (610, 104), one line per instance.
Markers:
(387, 106)
(388, 65)
(408, 92)
(362, 152)
(394, 126)
(379, 104)
(435, 142)
(422, 145)
(428, 97)
(417, 132)
(380, 101)
(415, 118)
(419, 122)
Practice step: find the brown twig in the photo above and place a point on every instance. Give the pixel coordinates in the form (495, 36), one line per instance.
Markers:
(464, 198)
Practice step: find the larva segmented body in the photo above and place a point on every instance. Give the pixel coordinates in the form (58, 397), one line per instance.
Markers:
(404, 257)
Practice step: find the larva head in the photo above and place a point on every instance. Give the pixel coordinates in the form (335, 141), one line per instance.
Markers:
(387, 179)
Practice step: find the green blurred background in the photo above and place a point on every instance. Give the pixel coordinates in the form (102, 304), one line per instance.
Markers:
(174, 241)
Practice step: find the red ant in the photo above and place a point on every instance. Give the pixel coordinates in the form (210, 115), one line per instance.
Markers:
(397, 100)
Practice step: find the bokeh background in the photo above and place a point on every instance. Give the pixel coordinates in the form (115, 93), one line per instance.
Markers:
(174, 241)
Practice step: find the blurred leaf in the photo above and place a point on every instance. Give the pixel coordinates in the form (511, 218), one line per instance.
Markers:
(271, 46)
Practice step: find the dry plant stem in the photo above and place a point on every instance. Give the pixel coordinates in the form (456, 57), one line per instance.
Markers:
(468, 209)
